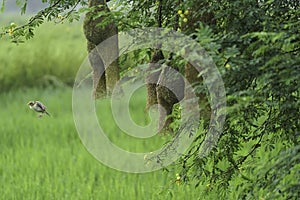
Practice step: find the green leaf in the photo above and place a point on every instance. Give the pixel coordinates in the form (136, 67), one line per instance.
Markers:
(22, 4)
(2, 6)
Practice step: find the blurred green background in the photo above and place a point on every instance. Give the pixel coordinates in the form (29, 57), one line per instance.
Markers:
(51, 58)
(44, 158)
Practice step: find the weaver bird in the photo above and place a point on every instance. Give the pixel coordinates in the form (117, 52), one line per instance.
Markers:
(38, 107)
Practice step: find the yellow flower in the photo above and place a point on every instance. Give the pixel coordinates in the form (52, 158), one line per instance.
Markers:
(186, 12)
(10, 31)
(178, 179)
(185, 19)
(227, 66)
(179, 12)
(182, 15)
(60, 17)
(13, 25)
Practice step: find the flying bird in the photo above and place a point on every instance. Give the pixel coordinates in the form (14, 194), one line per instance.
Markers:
(38, 107)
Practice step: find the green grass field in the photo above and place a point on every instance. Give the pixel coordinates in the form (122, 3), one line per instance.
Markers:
(52, 57)
(45, 159)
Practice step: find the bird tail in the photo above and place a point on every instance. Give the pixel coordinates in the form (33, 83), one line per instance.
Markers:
(47, 113)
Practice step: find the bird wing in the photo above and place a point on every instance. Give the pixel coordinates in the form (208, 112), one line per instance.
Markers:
(40, 105)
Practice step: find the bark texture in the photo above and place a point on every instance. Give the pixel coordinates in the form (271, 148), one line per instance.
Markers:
(104, 79)
(152, 76)
(170, 90)
(191, 75)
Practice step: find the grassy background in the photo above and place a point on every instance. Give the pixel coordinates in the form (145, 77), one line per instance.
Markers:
(52, 57)
(44, 158)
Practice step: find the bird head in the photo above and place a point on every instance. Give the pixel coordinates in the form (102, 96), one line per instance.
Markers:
(30, 103)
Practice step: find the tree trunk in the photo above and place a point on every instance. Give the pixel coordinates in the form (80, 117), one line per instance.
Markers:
(170, 90)
(152, 78)
(104, 79)
(191, 75)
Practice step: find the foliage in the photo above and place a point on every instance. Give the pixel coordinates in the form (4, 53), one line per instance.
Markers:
(262, 80)
(255, 45)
